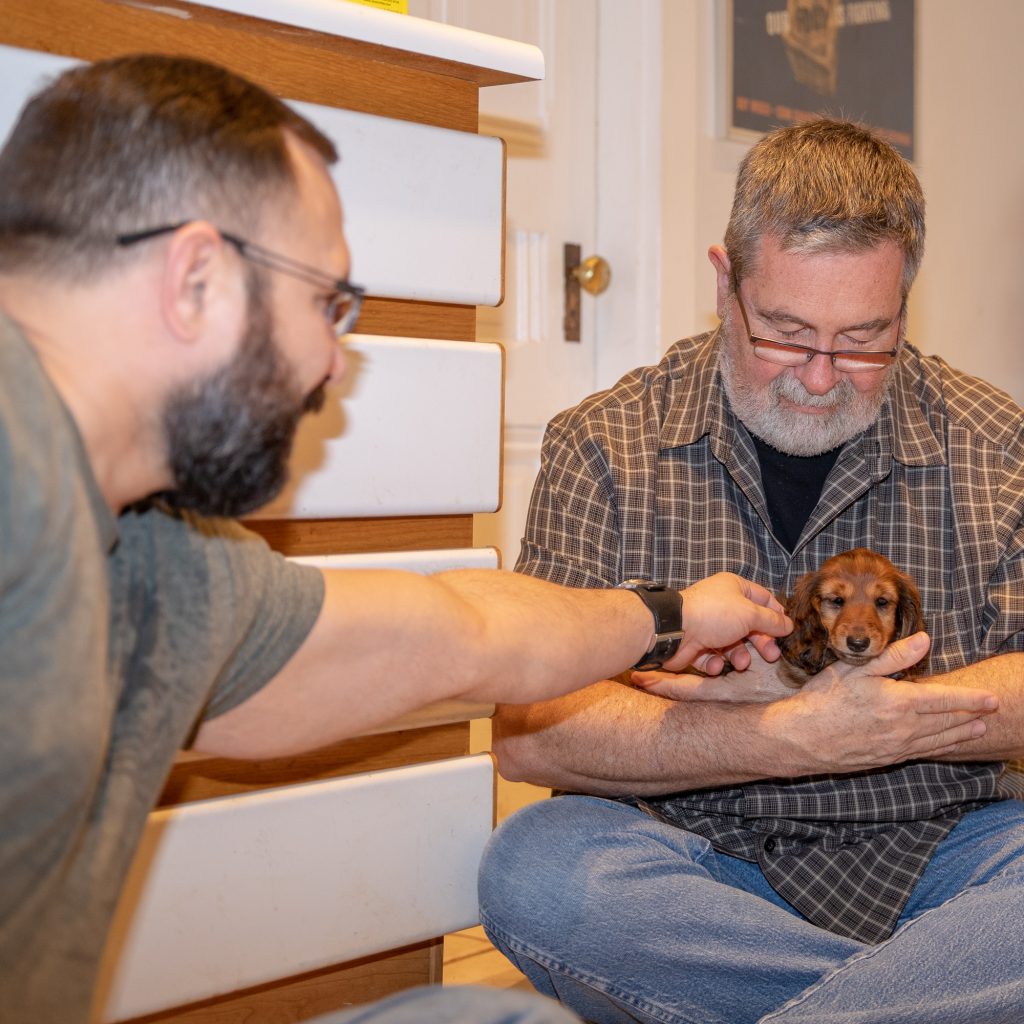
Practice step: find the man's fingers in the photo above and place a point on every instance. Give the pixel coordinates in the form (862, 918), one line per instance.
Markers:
(739, 656)
(694, 654)
(949, 739)
(934, 698)
(710, 663)
(901, 655)
(770, 621)
(667, 684)
(649, 676)
(760, 595)
(765, 646)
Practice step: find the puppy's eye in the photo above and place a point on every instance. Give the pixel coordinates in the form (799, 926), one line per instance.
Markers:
(882, 602)
(836, 602)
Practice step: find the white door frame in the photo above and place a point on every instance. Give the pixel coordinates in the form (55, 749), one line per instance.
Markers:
(629, 184)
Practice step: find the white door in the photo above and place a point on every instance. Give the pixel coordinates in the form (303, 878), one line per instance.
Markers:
(551, 201)
(550, 132)
(583, 167)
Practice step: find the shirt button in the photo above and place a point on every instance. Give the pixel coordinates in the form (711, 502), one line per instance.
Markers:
(769, 846)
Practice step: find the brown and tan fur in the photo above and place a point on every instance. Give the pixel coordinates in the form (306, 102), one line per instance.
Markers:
(849, 610)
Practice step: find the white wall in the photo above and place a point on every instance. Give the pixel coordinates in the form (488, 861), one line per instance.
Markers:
(968, 304)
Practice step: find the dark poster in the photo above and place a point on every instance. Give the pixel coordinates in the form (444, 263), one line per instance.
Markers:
(793, 59)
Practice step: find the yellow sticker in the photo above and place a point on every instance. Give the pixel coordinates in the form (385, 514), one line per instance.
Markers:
(398, 6)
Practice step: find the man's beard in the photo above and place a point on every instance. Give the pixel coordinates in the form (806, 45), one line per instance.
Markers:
(759, 408)
(229, 435)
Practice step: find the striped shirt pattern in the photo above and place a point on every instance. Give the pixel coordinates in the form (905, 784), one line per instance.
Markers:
(656, 479)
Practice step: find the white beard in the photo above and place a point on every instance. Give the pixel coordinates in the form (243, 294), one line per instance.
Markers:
(759, 408)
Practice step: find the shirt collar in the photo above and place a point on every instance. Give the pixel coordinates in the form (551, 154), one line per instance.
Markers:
(914, 441)
(696, 400)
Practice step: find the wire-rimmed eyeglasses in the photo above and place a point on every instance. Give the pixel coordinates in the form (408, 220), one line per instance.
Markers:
(345, 299)
(786, 353)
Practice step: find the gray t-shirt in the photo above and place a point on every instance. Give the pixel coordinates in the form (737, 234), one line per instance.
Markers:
(117, 637)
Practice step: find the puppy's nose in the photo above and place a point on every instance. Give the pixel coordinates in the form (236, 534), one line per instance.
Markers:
(858, 644)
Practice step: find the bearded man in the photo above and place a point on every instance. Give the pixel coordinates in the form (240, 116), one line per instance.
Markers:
(173, 288)
(737, 851)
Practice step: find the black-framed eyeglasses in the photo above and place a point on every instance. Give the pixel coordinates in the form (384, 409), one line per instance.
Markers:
(785, 353)
(345, 299)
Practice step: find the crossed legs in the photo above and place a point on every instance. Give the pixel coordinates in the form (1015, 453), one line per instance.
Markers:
(624, 918)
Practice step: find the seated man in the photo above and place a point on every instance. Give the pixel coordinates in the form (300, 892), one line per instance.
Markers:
(806, 425)
(153, 367)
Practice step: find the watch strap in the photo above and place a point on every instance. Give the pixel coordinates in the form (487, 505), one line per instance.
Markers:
(666, 608)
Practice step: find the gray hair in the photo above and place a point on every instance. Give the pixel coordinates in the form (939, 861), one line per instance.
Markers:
(826, 186)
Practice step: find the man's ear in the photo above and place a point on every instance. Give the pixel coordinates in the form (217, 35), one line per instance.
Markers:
(194, 279)
(723, 277)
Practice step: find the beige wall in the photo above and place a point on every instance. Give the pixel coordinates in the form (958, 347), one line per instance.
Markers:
(968, 304)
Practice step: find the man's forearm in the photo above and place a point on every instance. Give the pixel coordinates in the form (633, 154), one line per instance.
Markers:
(385, 643)
(1004, 737)
(611, 739)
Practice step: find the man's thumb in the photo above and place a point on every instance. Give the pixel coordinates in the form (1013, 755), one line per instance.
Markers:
(901, 655)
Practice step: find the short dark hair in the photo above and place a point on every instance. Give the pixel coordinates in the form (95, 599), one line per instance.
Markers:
(129, 143)
(826, 186)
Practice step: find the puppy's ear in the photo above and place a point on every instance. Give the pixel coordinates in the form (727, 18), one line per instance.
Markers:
(807, 646)
(909, 615)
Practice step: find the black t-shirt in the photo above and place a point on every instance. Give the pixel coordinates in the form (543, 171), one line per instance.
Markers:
(792, 487)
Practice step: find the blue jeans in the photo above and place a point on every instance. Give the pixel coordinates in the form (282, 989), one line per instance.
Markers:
(460, 1004)
(624, 918)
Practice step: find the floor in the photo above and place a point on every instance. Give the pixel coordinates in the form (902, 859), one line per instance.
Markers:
(470, 959)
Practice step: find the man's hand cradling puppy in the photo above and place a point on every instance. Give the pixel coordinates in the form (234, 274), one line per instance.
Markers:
(753, 675)
(885, 720)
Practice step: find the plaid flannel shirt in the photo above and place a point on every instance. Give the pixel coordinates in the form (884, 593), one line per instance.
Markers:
(656, 479)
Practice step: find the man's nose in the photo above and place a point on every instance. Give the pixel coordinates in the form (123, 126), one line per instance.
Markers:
(818, 376)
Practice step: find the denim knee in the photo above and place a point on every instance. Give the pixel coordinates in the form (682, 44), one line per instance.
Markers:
(524, 858)
(532, 864)
(560, 860)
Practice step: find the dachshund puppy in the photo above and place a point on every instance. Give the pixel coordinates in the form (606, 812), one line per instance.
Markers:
(850, 610)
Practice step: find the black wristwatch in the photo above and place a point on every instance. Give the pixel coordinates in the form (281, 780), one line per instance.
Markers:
(666, 606)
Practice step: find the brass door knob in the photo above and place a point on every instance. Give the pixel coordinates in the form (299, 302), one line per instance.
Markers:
(594, 274)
